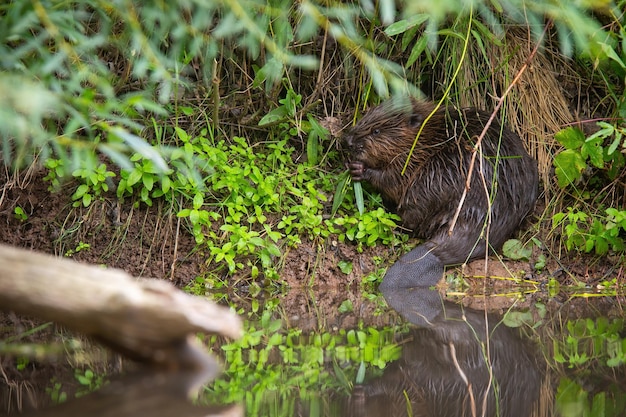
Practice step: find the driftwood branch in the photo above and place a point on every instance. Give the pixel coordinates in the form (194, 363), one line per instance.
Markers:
(148, 320)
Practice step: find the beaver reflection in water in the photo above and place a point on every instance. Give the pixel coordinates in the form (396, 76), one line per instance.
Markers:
(428, 194)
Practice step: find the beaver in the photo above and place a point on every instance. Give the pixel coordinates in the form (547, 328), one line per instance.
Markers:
(443, 365)
(502, 191)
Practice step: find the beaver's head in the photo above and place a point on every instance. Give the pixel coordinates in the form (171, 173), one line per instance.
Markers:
(385, 132)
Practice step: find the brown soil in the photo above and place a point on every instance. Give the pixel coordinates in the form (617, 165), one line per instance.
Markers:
(145, 242)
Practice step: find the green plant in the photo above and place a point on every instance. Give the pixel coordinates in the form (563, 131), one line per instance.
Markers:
(515, 249)
(369, 228)
(600, 158)
(143, 176)
(346, 307)
(22, 363)
(590, 232)
(581, 152)
(244, 241)
(258, 199)
(94, 184)
(20, 214)
(590, 344)
(289, 118)
(80, 247)
(56, 171)
(345, 267)
(242, 191)
(201, 220)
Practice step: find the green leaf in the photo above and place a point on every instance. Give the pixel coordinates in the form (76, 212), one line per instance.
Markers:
(517, 318)
(360, 375)
(166, 184)
(569, 165)
(312, 148)
(148, 181)
(514, 249)
(194, 215)
(611, 54)
(340, 192)
(387, 10)
(592, 149)
(358, 196)
(275, 339)
(571, 138)
(407, 37)
(80, 191)
(402, 26)
(616, 142)
(346, 307)
(273, 116)
(417, 50)
(133, 177)
(345, 267)
(198, 200)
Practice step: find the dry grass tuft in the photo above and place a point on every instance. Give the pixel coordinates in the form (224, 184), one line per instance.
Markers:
(536, 107)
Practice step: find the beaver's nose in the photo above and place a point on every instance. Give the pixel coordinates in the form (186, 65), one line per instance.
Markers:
(348, 140)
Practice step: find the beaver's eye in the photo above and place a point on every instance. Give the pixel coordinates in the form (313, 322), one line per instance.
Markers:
(376, 131)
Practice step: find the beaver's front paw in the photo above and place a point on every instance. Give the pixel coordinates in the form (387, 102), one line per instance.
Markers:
(357, 170)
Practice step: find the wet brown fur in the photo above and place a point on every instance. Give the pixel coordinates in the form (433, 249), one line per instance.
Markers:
(427, 195)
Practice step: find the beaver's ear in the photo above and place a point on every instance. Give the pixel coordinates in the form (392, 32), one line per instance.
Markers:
(415, 120)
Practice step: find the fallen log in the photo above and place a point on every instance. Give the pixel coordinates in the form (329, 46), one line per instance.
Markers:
(147, 319)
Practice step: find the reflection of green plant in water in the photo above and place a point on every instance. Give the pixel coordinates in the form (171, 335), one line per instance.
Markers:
(56, 394)
(270, 362)
(598, 340)
(587, 344)
(89, 381)
(572, 400)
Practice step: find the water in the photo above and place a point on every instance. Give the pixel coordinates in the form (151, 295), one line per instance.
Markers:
(312, 354)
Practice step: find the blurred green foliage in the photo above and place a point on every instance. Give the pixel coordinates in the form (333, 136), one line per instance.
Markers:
(81, 76)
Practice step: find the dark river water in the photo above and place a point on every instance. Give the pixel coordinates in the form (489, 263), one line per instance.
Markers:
(410, 353)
